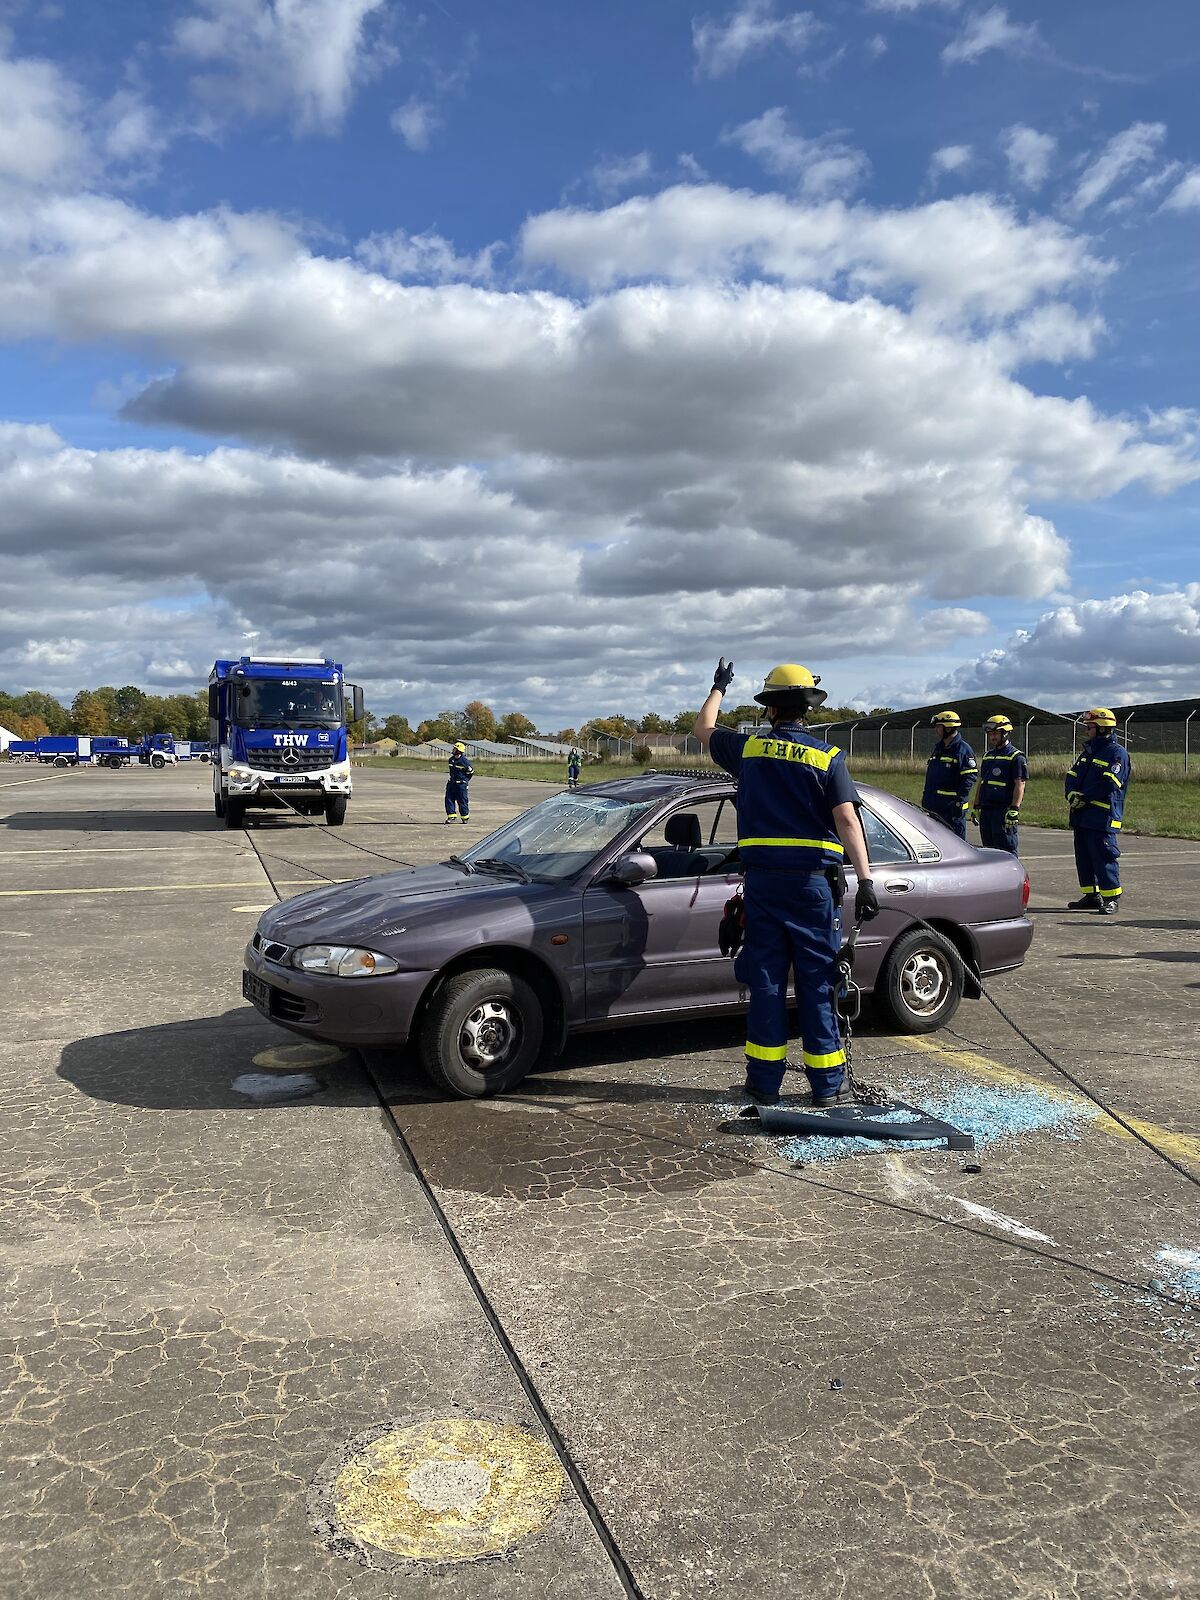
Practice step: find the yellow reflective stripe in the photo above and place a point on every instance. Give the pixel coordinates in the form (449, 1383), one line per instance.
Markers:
(786, 750)
(1088, 888)
(1103, 804)
(766, 1052)
(952, 792)
(1112, 777)
(1116, 824)
(1109, 894)
(995, 783)
(835, 1058)
(802, 844)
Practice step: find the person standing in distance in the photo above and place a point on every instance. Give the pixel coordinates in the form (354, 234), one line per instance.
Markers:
(573, 764)
(1001, 788)
(458, 806)
(1096, 788)
(950, 775)
(797, 823)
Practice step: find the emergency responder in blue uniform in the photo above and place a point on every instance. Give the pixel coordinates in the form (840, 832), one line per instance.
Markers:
(950, 775)
(797, 824)
(1096, 787)
(1001, 788)
(573, 763)
(461, 772)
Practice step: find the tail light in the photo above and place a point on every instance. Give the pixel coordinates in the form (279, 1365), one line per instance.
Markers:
(1025, 893)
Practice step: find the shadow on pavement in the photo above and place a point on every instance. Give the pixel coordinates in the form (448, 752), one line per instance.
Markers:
(190, 1066)
(197, 819)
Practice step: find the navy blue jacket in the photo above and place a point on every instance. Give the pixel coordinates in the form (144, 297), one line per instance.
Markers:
(788, 784)
(950, 777)
(461, 770)
(1101, 775)
(998, 776)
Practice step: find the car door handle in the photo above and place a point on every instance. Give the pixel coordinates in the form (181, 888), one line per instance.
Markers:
(899, 885)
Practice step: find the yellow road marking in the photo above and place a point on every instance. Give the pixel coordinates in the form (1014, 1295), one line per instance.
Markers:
(295, 1057)
(454, 1489)
(170, 888)
(1180, 1145)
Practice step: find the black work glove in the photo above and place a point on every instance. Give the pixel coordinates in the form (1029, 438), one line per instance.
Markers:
(723, 676)
(866, 906)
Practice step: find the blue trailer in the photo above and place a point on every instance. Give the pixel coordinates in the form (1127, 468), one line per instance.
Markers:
(64, 750)
(22, 750)
(278, 731)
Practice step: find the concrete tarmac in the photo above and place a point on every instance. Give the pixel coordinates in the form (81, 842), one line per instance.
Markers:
(231, 1328)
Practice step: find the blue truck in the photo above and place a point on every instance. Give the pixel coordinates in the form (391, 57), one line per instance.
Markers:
(151, 750)
(278, 732)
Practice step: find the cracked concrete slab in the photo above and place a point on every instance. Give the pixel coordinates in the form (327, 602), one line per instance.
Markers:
(868, 1376)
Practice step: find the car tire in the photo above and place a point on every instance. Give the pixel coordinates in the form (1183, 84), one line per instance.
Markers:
(61, 761)
(482, 1033)
(157, 761)
(235, 813)
(218, 805)
(335, 811)
(921, 984)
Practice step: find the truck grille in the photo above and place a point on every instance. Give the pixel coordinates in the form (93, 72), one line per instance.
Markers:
(290, 760)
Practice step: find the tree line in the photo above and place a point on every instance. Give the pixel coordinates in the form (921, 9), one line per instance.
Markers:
(128, 712)
(131, 712)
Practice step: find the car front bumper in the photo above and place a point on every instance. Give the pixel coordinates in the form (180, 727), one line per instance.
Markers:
(252, 781)
(349, 1011)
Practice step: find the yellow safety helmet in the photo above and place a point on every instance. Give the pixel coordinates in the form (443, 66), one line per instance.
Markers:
(790, 685)
(460, 747)
(948, 719)
(1000, 724)
(1102, 718)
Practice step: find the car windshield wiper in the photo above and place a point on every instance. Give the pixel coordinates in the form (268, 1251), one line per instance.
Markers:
(457, 861)
(497, 864)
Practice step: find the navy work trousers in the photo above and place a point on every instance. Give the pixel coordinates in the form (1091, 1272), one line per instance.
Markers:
(993, 835)
(1096, 856)
(955, 819)
(792, 925)
(456, 800)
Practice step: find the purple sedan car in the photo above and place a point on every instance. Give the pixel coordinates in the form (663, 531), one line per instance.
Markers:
(600, 907)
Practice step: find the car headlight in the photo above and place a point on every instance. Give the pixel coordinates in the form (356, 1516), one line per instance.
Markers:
(342, 961)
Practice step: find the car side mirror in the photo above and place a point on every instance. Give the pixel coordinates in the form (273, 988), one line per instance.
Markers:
(635, 868)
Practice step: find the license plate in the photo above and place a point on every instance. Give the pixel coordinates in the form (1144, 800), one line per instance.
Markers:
(291, 777)
(256, 991)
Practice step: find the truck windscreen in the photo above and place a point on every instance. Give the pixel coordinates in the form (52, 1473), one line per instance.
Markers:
(288, 703)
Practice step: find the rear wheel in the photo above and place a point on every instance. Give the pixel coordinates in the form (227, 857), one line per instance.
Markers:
(61, 761)
(921, 984)
(235, 813)
(157, 761)
(482, 1033)
(335, 811)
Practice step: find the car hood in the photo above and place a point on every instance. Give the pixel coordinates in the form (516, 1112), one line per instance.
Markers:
(373, 911)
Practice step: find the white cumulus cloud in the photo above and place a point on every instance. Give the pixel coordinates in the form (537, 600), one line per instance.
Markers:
(818, 168)
(989, 30)
(1029, 154)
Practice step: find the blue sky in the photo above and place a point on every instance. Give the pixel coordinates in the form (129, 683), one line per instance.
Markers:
(541, 353)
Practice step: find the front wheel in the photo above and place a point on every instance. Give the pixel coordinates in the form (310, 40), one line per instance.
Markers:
(235, 813)
(218, 803)
(335, 811)
(482, 1033)
(157, 761)
(921, 984)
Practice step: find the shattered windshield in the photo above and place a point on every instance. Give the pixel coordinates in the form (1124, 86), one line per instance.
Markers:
(559, 837)
(288, 703)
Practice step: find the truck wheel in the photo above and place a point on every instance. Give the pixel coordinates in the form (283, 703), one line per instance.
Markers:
(335, 811)
(219, 804)
(235, 813)
(921, 984)
(482, 1033)
(61, 761)
(157, 761)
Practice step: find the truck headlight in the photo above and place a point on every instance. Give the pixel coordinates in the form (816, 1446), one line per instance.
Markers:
(342, 961)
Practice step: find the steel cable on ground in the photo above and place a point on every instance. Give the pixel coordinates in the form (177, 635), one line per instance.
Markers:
(558, 1443)
(338, 839)
(1059, 1257)
(1075, 1082)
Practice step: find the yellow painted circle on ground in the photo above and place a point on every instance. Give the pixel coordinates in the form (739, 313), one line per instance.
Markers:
(298, 1057)
(453, 1489)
